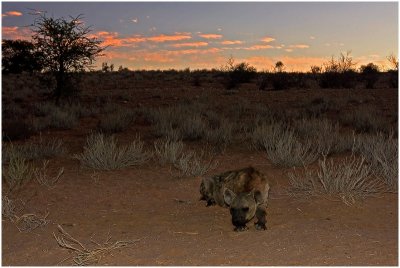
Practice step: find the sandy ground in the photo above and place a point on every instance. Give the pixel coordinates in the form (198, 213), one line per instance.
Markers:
(170, 226)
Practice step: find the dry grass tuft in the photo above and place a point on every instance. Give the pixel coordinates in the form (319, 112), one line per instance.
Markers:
(348, 179)
(83, 255)
(168, 151)
(381, 151)
(17, 173)
(103, 153)
(43, 179)
(195, 164)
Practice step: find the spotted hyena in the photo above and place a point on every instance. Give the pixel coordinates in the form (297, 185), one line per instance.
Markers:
(244, 191)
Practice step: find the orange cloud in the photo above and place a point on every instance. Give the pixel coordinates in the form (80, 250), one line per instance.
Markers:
(195, 51)
(268, 39)
(165, 38)
(228, 42)
(258, 47)
(191, 44)
(15, 32)
(299, 46)
(113, 39)
(211, 36)
(11, 14)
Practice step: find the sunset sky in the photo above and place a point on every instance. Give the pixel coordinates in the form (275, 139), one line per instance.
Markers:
(151, 35)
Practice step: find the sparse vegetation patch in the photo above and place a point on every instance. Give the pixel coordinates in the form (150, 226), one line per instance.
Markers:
(104, 153)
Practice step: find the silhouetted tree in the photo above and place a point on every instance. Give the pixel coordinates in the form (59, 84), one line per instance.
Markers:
(339, 73)
(66, 48)
(19, 56)
(280, 79)
(369, 74)
(279, 67)
(393, 71)
(237, 73)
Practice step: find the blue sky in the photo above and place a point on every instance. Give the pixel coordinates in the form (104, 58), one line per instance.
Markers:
(204, 34)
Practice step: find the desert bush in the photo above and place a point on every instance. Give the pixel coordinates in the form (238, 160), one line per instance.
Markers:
(116, 122)
(168, 151)
(178, 122)
(264, 135)
(369, 74)
(381, 151)
(193, 127)
(236, 74)
(393, 71)
(365, 119)
(30, 151)
(60, 118)
(104, 153)
(339, 73)
(289, 151)
(345, 141)
(281, 80)
(45, 108)
(195, 164)
(282, 146)
(18, 172)
(320, 130)
(349, 179)
(220, 135)
(43, 179)
(319, 106)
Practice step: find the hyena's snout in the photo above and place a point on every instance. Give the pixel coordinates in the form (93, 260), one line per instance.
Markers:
(240, 216)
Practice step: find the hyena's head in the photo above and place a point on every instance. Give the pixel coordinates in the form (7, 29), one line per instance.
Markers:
(242, 206)
(207, 191)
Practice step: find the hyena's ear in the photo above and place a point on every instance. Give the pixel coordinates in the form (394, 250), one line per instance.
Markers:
(228, 196)
(262, 197)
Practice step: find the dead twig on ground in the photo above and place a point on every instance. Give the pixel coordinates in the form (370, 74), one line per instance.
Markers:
(30, 222)
(85, 256)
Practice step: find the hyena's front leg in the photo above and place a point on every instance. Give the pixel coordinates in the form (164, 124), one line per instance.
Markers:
(261, 214)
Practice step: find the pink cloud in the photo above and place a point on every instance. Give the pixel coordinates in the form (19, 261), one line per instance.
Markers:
(11, 14)
(268, 39)
(211, 36)
(299, 46)
(233, 42)
(258, 47)
(165, 38)
(191, 44)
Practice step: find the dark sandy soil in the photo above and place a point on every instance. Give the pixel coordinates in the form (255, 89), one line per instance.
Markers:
(162, 214)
